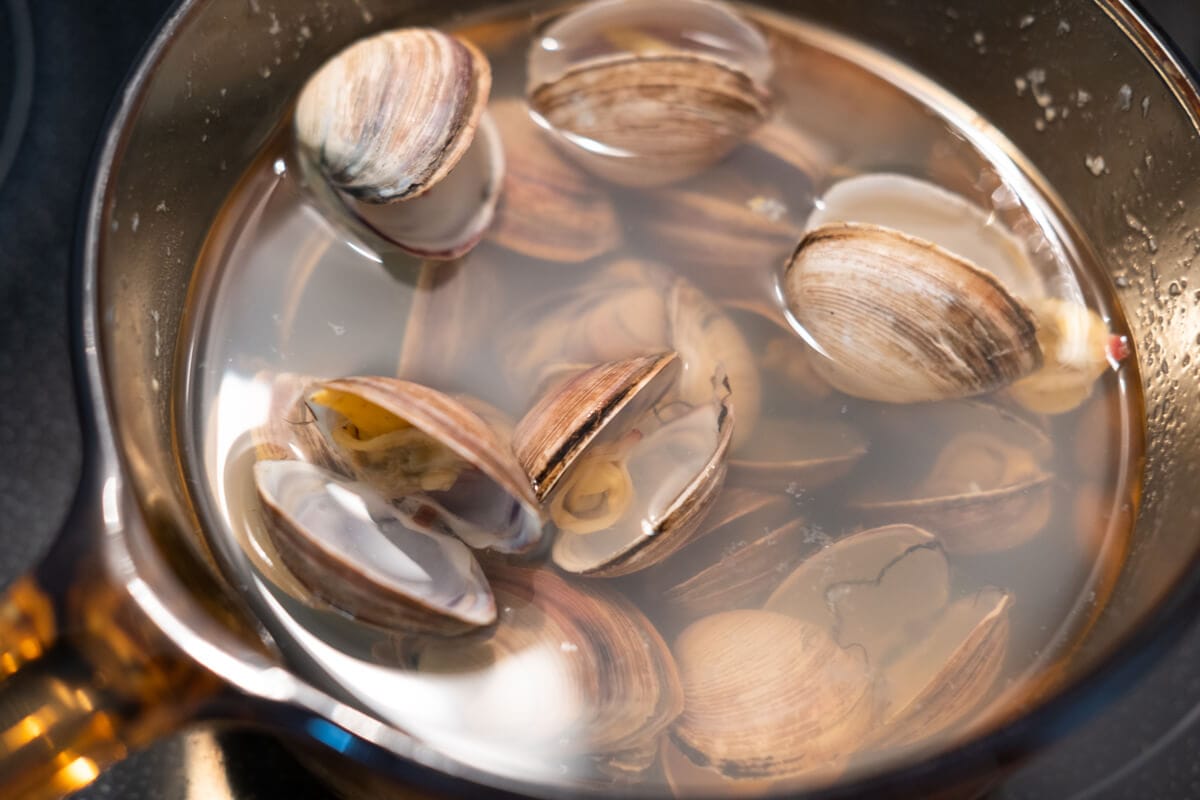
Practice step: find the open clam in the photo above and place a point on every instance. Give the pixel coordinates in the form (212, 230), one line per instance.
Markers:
(646, 95)
(426, 450)
(747, 544)
(886, 592)
(351, 549)
(290, 430)
(549, 208)
(627, 503)
(1079, 349)
(984, 488)
(389, 127)
(568, 672)
(769, 696)
(899, 319)
(560, 428)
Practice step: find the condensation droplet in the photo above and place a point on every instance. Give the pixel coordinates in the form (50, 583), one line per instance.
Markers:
(1125, 97)
(1026, 21)
(1095, 165)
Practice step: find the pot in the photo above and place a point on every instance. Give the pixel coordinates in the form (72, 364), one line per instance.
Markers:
(133, 626)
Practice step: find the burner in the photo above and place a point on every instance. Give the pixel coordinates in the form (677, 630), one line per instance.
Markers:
(16, 78)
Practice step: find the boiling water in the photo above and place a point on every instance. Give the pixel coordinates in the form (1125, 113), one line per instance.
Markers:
(284, 290)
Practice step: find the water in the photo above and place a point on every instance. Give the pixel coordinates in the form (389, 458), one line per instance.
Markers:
(283, 290)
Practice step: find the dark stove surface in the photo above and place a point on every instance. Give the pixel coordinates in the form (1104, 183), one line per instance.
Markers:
(61, 62)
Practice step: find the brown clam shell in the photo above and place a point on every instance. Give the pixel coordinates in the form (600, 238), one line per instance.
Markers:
(562, 425)
(901, 320)
(767, 696)
(674, 114)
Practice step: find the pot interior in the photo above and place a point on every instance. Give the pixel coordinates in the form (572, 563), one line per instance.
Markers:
(229, 73)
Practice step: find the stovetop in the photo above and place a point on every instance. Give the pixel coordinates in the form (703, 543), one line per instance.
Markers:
(61, 63)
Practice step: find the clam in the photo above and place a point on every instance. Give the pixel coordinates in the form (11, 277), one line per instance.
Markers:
(886, 592)
(389, 127)
(431, 453)
(984, 489)
(646, 95)
(769, 696)
(351, 549)
(628, 503)
(899, 319)
(1078, 349)
(747, 544)
(926, 211)
(948, 672)
(567, 421)
(785, 362)
(569, 671)
(872, 590)
(549, 208)
(629, 309)
(797, 454)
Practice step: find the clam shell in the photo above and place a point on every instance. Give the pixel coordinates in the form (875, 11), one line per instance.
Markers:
(545, 682)
(768, 696)
(901, 320)
(686, 778)
(549, 209)
(947, 674)
(871, 589)
(605, 27)
(648, 120)
(677, 470)
(983, 489)
(557, 430)
(351, 549)
(926, 211)
(388, 117)
(746, 545)
(797, 454)
(492, 505)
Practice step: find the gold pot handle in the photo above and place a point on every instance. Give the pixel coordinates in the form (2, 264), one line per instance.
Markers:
(84, 681)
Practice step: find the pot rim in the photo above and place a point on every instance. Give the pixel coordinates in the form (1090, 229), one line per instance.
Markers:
(1063, 711)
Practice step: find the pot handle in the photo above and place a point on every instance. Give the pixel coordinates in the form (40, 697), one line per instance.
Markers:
(86, 677)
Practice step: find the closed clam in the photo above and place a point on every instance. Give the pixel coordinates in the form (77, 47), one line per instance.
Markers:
(429, 451)
(549, 209)
(746, 546)
(670, 465)
(899, 319)
(568, 671)
(640, 99)
(767, 696)
(983, 488)
(352, 549)
(797, 455)
(388, 128)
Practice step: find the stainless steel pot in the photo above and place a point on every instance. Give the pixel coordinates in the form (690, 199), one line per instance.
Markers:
(128, 629)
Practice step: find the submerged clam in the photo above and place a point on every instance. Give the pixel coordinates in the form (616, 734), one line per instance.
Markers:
(389, 125)
(640, 491)
(645, 95)
(797, 454)
(568, 672)
(886, 593)
(983, 488)
(786, 363)
(352, 549)
(549, 209)
(427, 450)
(747, 544)
(769, 696)
(899, 319)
